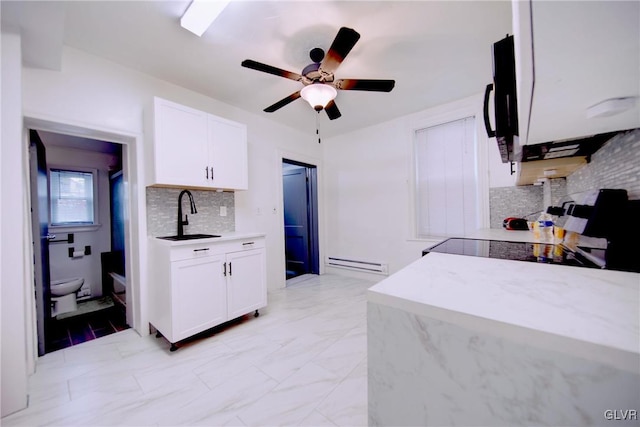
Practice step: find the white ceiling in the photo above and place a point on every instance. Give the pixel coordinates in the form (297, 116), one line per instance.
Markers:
(437, 51)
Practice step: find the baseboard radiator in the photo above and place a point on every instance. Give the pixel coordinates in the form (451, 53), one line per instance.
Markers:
(351, 264)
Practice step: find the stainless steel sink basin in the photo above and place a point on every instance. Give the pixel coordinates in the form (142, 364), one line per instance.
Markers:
(189, 237)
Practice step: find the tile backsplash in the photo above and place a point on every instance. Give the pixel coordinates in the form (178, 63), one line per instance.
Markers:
(615, 165)
(162, 211)
(519, 201)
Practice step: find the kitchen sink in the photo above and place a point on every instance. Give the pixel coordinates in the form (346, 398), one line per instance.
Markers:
(189, 237)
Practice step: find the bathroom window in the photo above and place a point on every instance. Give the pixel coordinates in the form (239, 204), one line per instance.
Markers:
(72, 198)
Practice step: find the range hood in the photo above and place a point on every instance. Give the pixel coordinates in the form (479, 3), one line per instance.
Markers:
(557, 159)
(578, 147)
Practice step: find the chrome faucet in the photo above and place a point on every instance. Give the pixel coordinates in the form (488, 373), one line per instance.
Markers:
(182, 223)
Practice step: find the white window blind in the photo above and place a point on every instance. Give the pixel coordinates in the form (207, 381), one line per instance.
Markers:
(446, 179)
(71, 197)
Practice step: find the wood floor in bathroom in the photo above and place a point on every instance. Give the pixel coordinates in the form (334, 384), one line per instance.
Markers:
(85, 327)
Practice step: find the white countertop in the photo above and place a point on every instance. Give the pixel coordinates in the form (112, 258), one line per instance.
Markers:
(571, 309)
(224, 237)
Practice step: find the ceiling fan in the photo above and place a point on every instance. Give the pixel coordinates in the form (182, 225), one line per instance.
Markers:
(320, 86)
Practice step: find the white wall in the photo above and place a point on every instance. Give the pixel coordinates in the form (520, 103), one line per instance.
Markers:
(14, 231)
(87, 267)
(369, 185)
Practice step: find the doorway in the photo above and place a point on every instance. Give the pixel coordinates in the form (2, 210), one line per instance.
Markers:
(300, 197)
(81, 207)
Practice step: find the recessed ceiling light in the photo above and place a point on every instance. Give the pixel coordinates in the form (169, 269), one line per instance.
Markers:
(200, 15)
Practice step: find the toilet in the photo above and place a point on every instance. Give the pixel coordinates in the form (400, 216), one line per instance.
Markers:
(63, 295)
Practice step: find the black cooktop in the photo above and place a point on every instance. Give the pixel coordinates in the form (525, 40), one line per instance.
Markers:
(521, 251)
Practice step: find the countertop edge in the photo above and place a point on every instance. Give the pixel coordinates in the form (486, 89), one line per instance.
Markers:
(224, 237)
(620, 358)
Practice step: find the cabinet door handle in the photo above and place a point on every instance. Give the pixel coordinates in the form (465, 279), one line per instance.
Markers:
(230, 274)
(206, 171)
(248, 243)
(225, 269)
(200, 250)
(212, 173)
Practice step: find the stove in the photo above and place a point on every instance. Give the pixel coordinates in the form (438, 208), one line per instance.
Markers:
(522, 251)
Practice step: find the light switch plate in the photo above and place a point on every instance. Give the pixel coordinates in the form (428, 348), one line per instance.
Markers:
(223, 211)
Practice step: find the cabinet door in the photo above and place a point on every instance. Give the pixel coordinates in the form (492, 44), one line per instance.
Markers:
(228, 153)
(571, 56)
(246, 282)
(180, 145)
(199, 295)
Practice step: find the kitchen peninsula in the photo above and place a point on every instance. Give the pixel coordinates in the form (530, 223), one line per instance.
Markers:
(461, 340)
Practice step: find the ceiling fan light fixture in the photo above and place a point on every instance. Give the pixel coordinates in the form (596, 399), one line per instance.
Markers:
(200, 15)
(318, 95)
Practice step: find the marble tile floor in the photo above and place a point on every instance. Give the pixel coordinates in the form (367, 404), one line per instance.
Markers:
(303, 362)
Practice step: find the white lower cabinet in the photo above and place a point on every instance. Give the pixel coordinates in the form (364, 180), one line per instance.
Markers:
(200, 295)
(246, 291)
(197, 286)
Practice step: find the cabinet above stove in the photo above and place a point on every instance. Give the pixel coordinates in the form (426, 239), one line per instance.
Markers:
(570, 58)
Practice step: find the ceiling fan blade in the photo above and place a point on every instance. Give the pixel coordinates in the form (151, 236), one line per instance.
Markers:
(340, 48)
(332, 110)
(362, 84)
(282, 102)
(259, 66)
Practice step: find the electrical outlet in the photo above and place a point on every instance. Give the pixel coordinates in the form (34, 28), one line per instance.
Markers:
(223, 211)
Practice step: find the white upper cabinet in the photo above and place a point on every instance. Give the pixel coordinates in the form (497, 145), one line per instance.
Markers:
(180, 144)
(195, 149)
(227, 142)
(570, 56)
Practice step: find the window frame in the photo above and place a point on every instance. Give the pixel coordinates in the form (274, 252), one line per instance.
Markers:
(70, 227)
(468, 107)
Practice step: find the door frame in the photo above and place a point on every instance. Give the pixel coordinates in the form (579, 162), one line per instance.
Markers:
(40, 246)
(283, 156)
(135, 205)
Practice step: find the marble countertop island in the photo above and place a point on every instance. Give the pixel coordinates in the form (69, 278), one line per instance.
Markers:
(478, 341)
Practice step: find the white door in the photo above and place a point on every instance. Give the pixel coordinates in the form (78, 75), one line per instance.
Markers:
(246, 283)
(199, 295)
(228, 153)
(180, 145)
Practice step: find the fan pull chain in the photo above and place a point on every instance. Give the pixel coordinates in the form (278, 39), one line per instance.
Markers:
(318, 126)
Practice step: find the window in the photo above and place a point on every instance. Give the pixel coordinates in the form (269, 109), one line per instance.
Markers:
(71, 197)
(446, 196)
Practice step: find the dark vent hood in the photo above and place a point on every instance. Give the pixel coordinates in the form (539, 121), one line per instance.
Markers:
(557, 159)
(578, 147)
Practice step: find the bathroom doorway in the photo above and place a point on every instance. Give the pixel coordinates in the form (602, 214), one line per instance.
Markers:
(300, 197)
(72, 217)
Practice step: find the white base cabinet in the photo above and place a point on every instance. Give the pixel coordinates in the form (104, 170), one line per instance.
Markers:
(196, 286)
